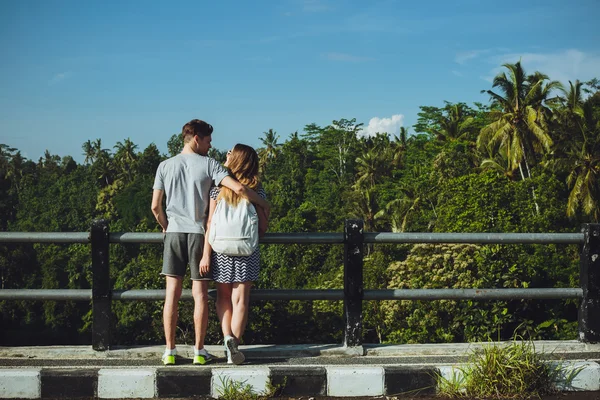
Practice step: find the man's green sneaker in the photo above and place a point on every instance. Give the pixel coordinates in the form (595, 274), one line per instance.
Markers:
(168, 360)
(203, 358)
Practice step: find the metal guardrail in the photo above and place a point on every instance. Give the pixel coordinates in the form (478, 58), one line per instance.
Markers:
(314, 238)
(45, 237)
(306, 294)
(482, 238)
(353, 238)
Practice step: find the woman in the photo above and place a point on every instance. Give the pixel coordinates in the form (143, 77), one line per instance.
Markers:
(234, 275)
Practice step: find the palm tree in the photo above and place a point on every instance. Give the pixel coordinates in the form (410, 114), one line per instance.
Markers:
(520, 125)
(371, 166)
(520, 117)
(574, 99)
(584, 184)
(401, 138)
(365, 205)
(411, 197)
(219, 155)
(16, 170)
(584, 155)
(11, 165)
(271, 148)
(98, 150)
(49, 161)
(125, 157)
(398, 147)
(399, 210)
(104, 169)
(570, 125)
(500, 163)
(456, 125)
(374, 164)
(126, 151)
(88, 152)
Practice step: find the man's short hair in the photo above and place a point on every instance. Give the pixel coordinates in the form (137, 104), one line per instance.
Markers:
(196, 127)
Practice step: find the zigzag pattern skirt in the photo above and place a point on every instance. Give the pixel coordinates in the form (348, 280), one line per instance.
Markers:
(230, 269)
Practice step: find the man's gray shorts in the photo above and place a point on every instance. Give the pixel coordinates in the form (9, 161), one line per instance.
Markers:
(180, 250)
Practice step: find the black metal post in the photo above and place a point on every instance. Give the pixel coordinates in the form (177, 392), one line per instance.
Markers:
(589, 309)
(101, 299)
(353, 281)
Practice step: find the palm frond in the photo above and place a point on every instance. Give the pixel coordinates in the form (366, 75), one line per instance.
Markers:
(541, 135)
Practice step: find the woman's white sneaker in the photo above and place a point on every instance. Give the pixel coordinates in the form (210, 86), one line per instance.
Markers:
(233, 353)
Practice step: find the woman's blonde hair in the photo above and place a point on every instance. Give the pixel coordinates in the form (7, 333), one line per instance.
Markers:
(243, 166)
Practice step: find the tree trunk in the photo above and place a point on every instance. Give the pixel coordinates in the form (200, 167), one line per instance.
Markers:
(537, 207)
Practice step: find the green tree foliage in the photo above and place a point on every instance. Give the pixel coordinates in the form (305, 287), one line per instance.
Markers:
(436, 267)
(270, 150)
(450, 123)
(473, 266)
(488, 202)
(520, 117)
(175, 144)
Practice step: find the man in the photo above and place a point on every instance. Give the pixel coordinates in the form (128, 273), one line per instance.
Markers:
(186, 180)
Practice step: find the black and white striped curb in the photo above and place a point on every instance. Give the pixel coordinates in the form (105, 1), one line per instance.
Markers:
(165, 382)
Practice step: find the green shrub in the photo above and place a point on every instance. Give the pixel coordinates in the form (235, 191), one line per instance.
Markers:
(240, 390)
(498, 371)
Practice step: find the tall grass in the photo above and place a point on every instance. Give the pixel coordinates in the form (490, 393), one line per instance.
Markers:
(512, 371)
(240, 390)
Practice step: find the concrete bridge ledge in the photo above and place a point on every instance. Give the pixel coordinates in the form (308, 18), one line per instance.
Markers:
(307, 370)
(163, 382)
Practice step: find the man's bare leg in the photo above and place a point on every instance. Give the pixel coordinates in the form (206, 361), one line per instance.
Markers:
(200, 294)
(170, 310)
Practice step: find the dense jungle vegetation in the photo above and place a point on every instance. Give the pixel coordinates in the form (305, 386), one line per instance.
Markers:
(529, 161)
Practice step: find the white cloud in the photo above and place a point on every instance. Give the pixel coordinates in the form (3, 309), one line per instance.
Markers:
(346, 57)
(457, 73)
(463, 57)
(560, 66)
(58, 78)
(489, 77)
(383, 125)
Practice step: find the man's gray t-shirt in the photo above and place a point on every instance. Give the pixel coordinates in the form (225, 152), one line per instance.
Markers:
(186, 180)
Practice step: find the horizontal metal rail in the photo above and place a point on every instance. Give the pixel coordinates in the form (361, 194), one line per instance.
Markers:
(313, 238)
(159, 294)
(44, 237)
(488, 238)
(269, 238)
(303, 238)
(255, 294)
(46, 294)
(307, 294)
(473, 294)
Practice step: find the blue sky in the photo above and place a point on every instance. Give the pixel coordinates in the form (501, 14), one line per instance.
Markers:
(79, 70)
